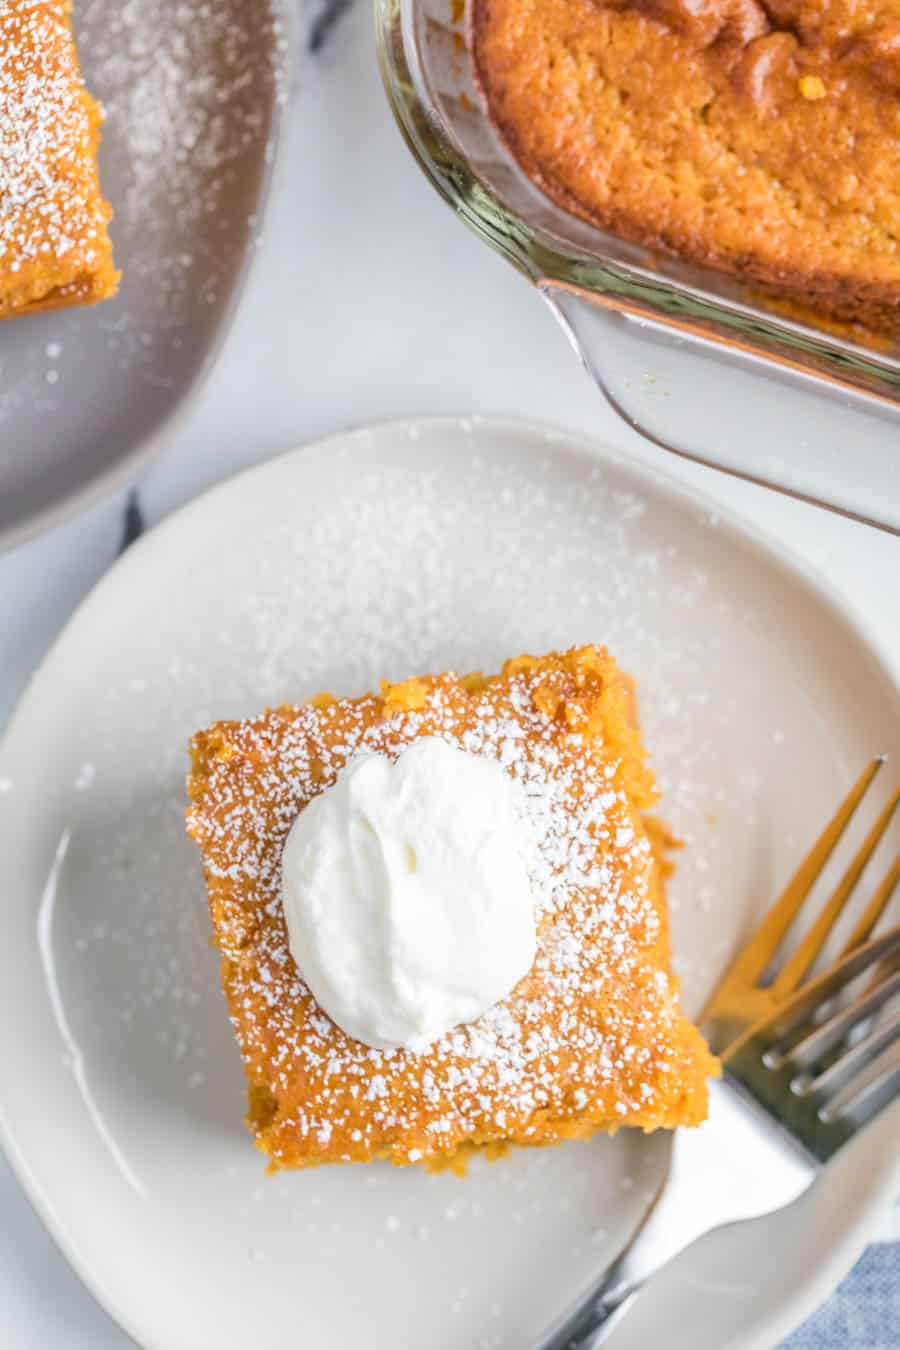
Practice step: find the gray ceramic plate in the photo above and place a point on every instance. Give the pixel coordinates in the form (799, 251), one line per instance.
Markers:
(86, 396)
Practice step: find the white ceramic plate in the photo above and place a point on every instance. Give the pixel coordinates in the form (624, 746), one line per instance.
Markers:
(88, 395)
(380, 553)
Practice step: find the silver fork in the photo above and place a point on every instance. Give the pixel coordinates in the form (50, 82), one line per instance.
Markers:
(796, 1086)
(744, 994)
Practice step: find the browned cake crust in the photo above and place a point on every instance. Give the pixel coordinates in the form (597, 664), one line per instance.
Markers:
(592, 1038)
(54, 246)
(759, 139)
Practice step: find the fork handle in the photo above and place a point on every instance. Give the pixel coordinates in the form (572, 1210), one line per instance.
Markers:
(608, 1301)
(592, 1322)
(718, 1173)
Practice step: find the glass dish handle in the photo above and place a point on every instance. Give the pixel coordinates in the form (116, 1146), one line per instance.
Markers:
(716, 402)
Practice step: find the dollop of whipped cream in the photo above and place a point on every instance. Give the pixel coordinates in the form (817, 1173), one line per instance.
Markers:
(407, 896)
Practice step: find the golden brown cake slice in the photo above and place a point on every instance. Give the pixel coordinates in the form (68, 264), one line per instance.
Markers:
(54, 245)
(592, 1038)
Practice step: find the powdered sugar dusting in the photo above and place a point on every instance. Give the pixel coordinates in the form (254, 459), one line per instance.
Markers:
(49, 209)
(181, 85)
(594, 1032)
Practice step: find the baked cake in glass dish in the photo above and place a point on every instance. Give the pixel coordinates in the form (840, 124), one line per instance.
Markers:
(54, 246)
(593, 1036)
(759, 139)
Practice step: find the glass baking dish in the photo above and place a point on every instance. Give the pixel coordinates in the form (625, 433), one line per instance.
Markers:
(794, 405)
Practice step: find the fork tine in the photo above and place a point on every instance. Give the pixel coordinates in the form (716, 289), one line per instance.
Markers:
(859, 1057)
(866, 1101)
(823, 1037)
(766, 940)
(874, 909)
(773, 1029)
(795, 968)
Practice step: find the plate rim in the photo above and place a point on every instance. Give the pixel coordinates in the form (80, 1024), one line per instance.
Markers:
(127, 469)
(790, 1312)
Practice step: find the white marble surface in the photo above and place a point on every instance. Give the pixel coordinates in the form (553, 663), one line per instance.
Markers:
(368, 301)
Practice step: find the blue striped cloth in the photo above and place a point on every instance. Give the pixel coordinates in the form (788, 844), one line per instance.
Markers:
(864, 1312)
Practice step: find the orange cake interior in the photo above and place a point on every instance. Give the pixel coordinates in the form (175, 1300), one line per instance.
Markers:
(593, 1037)
(54, 245)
